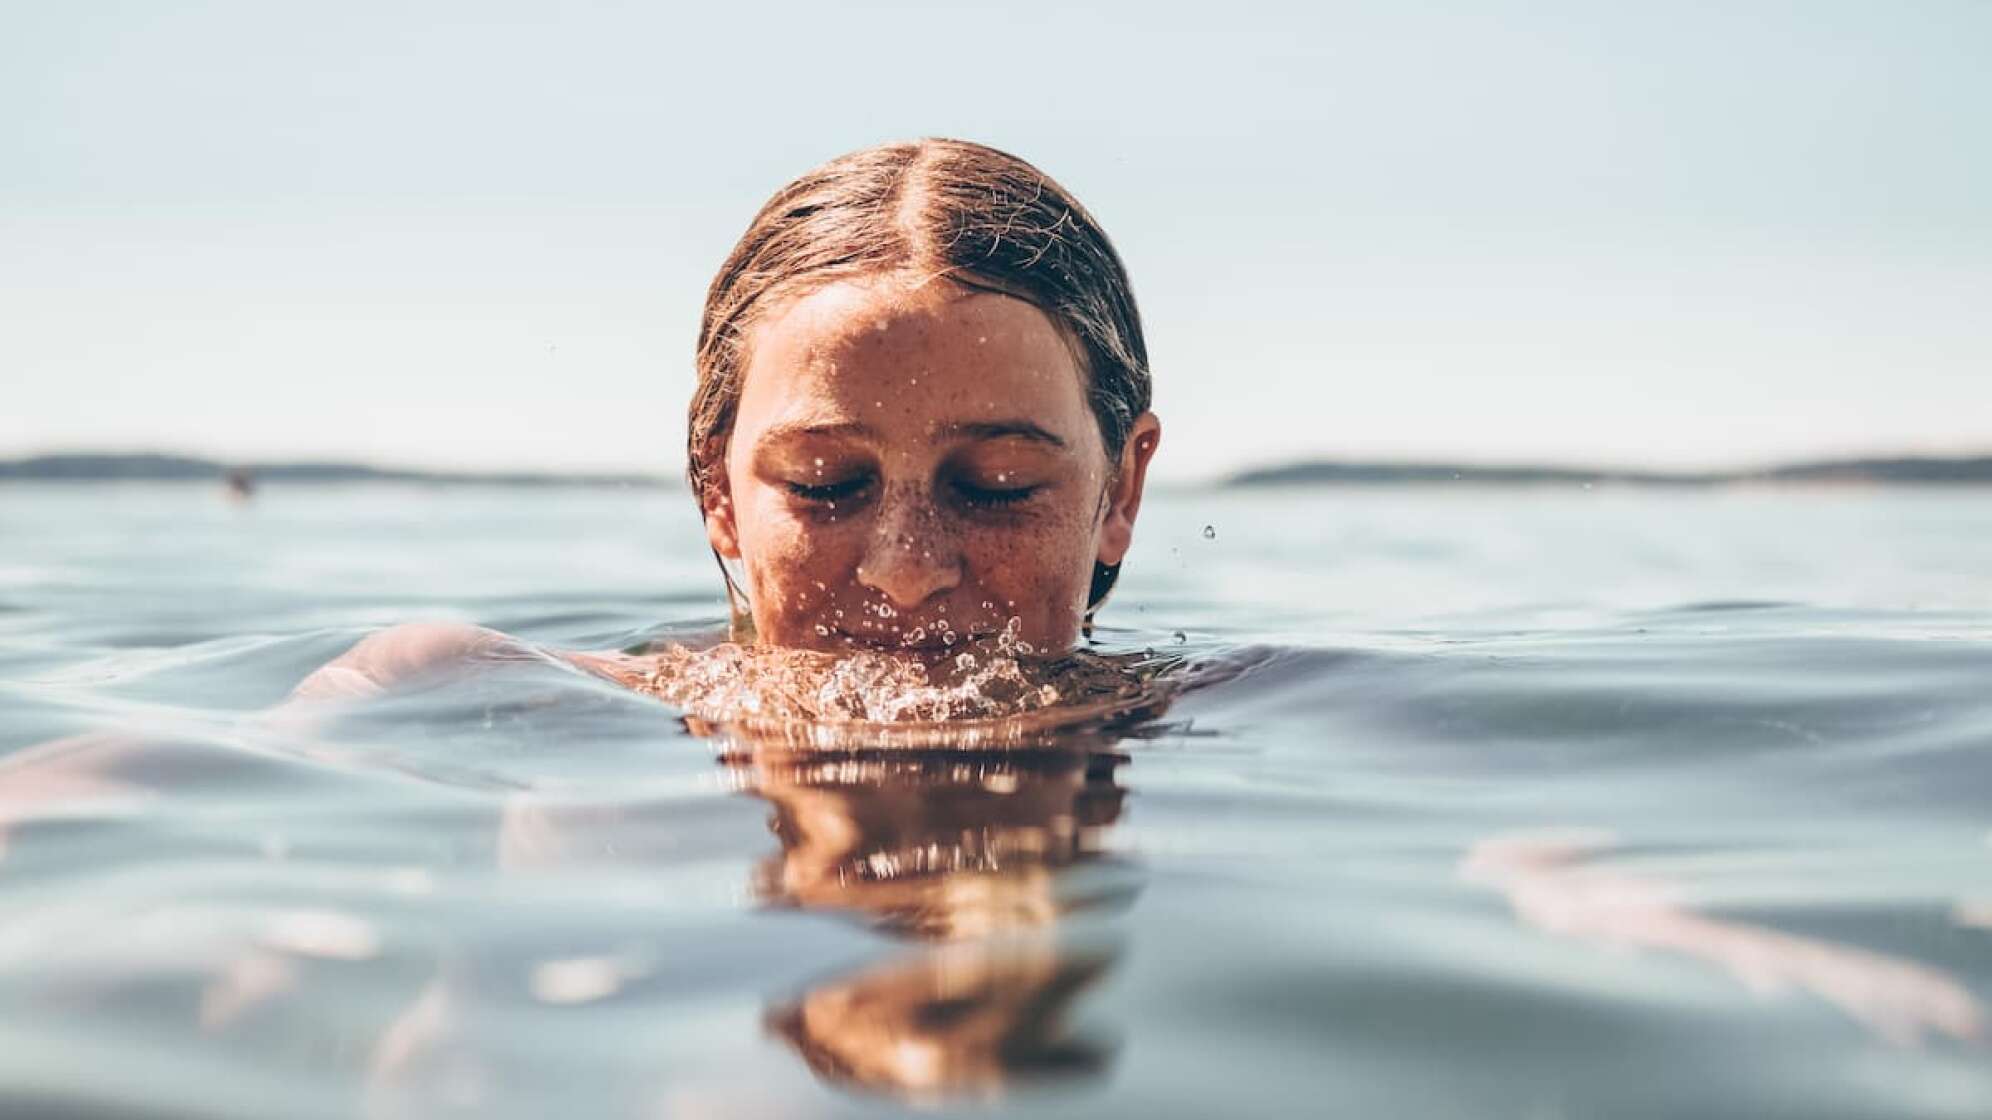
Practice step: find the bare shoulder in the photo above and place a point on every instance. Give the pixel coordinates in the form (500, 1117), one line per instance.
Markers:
(408, 654)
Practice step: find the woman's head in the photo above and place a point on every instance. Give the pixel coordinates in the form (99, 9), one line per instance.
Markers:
(922, 404)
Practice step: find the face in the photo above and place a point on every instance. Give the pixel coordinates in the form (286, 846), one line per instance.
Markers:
(911, 466)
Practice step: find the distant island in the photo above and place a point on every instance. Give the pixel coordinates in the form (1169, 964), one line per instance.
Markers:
(179, 468)
(1902, 471)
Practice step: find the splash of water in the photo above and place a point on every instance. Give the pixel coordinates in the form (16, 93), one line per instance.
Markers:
(982, 679)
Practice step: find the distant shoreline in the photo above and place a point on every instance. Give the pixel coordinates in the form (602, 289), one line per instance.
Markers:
(181, 468)
(1909, 470)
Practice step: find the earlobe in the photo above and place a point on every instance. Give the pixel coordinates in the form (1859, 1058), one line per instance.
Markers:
(1124, 497)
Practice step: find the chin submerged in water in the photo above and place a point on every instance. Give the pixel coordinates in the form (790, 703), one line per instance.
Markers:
(919, 441)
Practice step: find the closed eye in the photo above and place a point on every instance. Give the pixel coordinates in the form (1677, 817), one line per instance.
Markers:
(996, 497)
(829, 492)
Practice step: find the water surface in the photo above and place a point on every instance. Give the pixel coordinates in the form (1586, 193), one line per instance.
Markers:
(1529, 803)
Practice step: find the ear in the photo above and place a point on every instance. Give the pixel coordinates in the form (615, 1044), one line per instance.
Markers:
(1124, 495)
(716, 505)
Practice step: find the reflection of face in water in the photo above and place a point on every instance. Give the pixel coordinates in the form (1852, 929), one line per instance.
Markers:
(965, 1020)
(988, 851)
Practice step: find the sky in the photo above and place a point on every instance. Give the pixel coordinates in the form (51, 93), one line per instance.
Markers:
(477, 235)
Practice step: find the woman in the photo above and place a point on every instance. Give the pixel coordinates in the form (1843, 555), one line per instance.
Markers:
(921, 421)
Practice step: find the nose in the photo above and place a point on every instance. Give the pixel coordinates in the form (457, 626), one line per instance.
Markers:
(911, 555)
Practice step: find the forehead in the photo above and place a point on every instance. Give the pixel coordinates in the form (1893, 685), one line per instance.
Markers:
(884, 353)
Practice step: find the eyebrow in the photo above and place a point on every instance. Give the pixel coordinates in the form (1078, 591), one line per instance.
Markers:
(973, 429)
(796, 429)
(998, 429)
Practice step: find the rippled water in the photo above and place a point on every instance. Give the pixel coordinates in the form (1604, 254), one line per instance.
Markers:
(1489, 803)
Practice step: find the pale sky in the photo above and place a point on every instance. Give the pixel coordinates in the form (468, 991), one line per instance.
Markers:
(476, 235)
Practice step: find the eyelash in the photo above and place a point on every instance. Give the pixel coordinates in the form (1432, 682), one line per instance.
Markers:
(976, 496)
(835, 491)
(993, 499)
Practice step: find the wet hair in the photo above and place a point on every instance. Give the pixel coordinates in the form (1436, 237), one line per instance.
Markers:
(937, 209)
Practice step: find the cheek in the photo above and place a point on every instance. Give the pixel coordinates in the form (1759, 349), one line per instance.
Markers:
(1046, 565)
(794, 566)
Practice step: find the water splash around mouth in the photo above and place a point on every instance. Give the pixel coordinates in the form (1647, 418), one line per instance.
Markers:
(991, 691)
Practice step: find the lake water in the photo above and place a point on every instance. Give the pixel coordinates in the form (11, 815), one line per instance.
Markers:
(1493, 803)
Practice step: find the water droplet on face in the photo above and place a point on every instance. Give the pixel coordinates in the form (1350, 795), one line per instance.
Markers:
(822, 631)
(819, 463)
(1210, 532)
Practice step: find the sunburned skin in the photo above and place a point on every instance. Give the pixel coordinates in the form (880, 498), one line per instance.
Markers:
(912, 465)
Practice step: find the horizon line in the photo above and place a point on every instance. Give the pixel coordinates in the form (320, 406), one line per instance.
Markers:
(194, 467)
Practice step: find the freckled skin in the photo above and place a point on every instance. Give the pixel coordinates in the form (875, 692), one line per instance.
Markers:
(913, 461)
